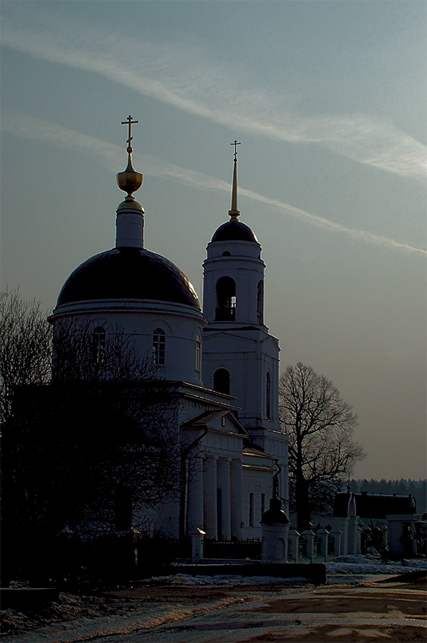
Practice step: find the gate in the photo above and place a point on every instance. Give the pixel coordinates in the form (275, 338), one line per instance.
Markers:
(233, 549)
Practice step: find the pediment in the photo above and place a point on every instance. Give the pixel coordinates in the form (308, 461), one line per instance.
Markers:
(223, 421)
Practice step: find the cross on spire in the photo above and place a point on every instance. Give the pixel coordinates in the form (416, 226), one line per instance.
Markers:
(129, 181)
(129, 122)
(235, 143)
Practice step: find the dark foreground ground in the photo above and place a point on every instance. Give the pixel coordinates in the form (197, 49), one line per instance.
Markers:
(178, 610)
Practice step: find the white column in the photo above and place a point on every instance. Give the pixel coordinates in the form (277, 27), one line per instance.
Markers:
(209, 497)
(236, 498)
(195, 496)
(224, 485)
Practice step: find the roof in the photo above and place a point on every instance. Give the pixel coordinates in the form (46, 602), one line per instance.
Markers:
(234, 230)
(128, 273)
(370, 505)
(256, 452)
(275, 514)
(207, 417)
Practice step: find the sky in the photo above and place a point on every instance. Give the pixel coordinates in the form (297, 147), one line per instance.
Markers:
(328, 100)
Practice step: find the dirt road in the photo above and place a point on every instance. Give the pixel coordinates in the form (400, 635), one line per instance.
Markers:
(368, 611)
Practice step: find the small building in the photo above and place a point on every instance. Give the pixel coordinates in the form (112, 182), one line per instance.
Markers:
(395, 515)
(375, 506)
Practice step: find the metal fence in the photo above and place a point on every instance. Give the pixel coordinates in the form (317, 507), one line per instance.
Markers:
(233, 549)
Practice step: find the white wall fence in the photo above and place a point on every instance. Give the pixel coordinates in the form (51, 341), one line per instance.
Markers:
(307, 547)
(320, 546)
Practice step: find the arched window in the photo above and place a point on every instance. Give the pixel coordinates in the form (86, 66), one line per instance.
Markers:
(222, 381)
(98, 344)
(260, 302)
(198, 353)
(268, 396)
(159, 345)
(225, 299)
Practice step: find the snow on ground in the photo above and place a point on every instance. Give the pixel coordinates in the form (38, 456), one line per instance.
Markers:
(186, 579)
(350, 568)
(367, 565)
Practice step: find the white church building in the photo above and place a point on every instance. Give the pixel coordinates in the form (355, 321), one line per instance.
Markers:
(222, 361)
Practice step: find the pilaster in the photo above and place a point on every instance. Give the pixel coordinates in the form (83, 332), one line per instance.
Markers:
(236, 477)
(225, 508)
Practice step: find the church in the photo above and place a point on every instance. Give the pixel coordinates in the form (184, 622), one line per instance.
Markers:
(221, 359)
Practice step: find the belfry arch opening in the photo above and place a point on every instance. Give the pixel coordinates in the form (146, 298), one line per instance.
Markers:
(225, 299)
(222, 381)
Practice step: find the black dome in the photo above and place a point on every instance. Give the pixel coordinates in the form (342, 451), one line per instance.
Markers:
(234, 231)
(128, 273)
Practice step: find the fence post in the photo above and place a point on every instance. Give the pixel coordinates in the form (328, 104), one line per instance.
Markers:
(197, 545)
(308, 536)
(336, 538)
(323, 535)
(359, 540)
(293, 540)
(353, 535)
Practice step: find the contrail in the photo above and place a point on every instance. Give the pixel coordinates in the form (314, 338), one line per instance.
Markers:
(29, 127)
(181, 75)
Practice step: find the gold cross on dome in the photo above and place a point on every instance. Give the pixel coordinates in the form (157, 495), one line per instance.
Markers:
(235, 143)
(129, 122)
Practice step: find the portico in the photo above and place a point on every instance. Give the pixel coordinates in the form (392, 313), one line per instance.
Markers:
(215, 497)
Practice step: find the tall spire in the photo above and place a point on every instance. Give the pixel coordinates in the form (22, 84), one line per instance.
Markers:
(129, 181)
(234, 212)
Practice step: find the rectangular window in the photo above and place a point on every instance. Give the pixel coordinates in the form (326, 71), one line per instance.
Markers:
(251, 510)
(198, 353)
(262, 504)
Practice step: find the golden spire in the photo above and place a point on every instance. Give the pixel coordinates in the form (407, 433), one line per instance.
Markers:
(234, 212)
(129, 181)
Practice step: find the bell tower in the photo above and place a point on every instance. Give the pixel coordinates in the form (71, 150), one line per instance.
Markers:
(240, 357)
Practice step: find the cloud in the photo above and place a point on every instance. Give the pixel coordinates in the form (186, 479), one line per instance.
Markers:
(354, 233)
(181, 75)
(29, 127)
(37, 129)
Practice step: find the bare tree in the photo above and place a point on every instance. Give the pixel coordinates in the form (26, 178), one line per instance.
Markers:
(25, 347)
(96, 440)
(321, 452)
